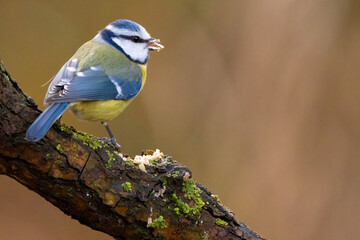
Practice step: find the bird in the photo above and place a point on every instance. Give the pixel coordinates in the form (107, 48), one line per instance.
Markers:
(101, 79)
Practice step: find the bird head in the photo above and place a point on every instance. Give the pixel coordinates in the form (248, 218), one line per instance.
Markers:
(130, 38)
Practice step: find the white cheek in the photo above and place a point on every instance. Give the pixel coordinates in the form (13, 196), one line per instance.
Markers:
(136, 51)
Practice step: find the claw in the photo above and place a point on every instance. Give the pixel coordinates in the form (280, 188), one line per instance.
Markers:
(113, 143)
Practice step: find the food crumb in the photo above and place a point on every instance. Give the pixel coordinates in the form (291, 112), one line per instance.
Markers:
(145, 159)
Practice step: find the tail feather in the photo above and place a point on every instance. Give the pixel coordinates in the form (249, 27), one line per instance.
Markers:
(43, 123)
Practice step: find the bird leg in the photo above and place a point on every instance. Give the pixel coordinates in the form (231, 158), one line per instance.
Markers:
(113, 139)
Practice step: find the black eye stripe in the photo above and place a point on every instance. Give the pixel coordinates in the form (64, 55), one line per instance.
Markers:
(140, 40)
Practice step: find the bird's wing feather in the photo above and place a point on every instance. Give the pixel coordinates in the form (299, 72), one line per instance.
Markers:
(92, 84)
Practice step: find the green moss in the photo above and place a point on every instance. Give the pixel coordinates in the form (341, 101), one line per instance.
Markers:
(180, 206)
(154, 163)
(177, 210)
(174, 175)
(111, 159)
(164, 182)
(59, 148)
(221, 222)
(129, 161)
(158, 222)
(47, 155)
(63, 127)
(216, 197)
(89, 140)
(127, 186)
(191, 192)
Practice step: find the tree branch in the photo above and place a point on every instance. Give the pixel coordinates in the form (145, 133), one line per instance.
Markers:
(88, 180)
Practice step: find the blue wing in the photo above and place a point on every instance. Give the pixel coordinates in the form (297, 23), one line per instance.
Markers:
(92, 84)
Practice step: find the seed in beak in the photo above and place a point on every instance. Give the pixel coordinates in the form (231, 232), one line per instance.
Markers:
(154, 45)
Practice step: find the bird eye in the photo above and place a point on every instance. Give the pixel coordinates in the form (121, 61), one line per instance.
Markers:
(135, 39)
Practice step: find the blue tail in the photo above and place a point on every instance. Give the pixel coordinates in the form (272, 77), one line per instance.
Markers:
(43, 123)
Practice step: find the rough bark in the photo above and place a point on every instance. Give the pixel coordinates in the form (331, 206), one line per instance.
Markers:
(89, 181)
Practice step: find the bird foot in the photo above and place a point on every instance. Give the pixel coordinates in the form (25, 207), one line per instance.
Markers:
(113, 143)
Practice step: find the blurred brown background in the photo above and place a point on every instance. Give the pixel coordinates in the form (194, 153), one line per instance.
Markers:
(260, 99)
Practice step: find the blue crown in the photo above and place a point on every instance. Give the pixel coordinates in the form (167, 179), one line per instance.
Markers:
(126, 24)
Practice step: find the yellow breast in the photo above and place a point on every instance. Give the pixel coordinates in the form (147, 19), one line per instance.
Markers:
(99, 111)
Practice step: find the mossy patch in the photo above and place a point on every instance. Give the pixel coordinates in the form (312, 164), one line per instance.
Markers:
(127, 186)
(180, 206)
(86, 139)
(89, 140)
(174, 175)
(158, 222)
(111, 159)
(63, 127)
(191, 192)
(59, 148)
(129, 161)
(155, 163)
(216, 197)
(221, 222)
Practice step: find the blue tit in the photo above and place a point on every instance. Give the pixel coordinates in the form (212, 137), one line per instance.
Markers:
(101, 79)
